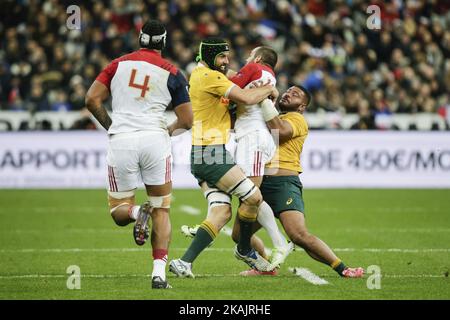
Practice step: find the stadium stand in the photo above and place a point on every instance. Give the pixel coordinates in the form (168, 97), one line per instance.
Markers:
(396, 78)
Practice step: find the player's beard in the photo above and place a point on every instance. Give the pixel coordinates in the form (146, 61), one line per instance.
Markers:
(286, 106)
(289, 107)
(222, 68)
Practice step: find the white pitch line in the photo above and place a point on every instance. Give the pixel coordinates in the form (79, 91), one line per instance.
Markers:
(394, 230)
(392, 250)
(76, 250)
(60, 276)
(34, 276)
(190, 210)
(309, 276)
(68, 231)
(413, 276)
(70, 250)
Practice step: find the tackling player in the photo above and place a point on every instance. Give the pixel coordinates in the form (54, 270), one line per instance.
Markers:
(255, 147)
(281, 186)
(212, 165)
(142, 84)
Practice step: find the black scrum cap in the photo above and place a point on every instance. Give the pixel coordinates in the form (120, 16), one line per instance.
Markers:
(153, 35)
(210, 49)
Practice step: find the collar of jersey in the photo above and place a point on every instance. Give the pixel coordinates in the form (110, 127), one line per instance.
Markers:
(150, 50)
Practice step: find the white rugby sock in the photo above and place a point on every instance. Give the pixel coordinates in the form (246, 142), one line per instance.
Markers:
(266, 218)
(134, 212)
(159, 268)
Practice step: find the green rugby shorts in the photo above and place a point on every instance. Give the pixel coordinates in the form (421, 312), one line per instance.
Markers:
(210, 163)
(283, 193)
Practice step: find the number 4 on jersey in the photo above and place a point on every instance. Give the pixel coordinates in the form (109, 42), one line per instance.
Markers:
(144, 87)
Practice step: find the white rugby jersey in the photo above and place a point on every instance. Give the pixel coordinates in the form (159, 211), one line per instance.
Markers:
(249, 117)
(142, 85)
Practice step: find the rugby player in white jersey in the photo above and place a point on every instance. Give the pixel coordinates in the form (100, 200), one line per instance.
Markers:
(142, 85)
(256, 147)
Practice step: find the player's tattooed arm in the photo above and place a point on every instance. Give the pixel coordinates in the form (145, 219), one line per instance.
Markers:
(102, 116)
(95, 96)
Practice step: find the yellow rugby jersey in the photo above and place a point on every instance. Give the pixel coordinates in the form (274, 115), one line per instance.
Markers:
(288, 153)
(208, 90)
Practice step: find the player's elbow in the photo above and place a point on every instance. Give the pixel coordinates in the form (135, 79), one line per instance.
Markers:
(185, 117)
(284, 135)
(90, 101)
(283, 138)
(187, 121)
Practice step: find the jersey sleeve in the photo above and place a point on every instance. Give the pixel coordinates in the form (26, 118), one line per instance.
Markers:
(107, 74)
(246, 75)
(298, 124)
(218, 84)
(178, 88)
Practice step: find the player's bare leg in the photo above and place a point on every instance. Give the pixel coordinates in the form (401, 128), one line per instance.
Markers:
(124, 211)
(161, 228)
(256, 180)
(159, 199)
(122, 207)
(219, 213)
(219, 207)
(236, 183)
(294, 224)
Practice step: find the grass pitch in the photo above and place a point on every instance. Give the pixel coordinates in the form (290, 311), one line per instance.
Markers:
(43, 232)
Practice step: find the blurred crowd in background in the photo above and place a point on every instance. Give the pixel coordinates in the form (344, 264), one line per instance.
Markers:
(323, 45)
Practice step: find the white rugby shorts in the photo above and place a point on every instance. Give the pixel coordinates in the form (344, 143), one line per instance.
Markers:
(253, 151)
(138, 156)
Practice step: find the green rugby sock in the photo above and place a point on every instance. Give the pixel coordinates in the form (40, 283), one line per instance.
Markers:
(205, 235)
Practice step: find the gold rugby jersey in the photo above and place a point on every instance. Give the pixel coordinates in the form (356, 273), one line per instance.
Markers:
(288, 153)
(208, 90)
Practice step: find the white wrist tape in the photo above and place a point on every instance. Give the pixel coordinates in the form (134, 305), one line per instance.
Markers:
(268, 110)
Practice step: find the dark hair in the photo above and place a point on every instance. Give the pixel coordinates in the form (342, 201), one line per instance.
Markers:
(307, 94)
(210, 48)
(268, 56)
(153, 35)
